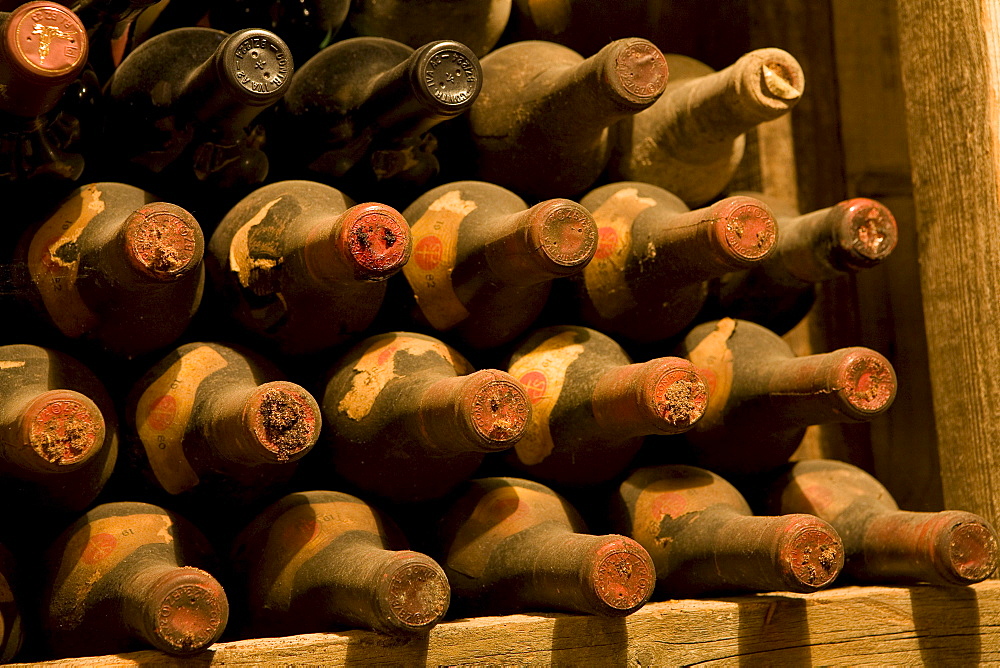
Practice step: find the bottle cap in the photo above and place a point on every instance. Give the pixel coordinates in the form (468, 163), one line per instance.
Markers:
(967, 548)
(866, 233)
(621, 576)
(640, 71)
(866, 382)
(565, 233)
(256, 64)
(746, 228)
(64, 429)
(186, 611)
(810, 553)
(677, 394)
(284, 419)
(447, 77)
(46, 43)
(163, 241)
(413, 593)
(499, 408)
(377, 239)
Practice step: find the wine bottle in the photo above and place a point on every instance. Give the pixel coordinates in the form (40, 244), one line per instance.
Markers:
(477, 24)
(299, 264)
(853, 235)
(702, 538)
(320, 560)
(213, 422)
(884, 544)
(407, 418)
(109, 30)
(592, 407)
(511, 545)
(11, 628)
(181, 109)
(586, 26)
(691, 140)
(59, 431)
(307, 26)
(358, 114)
(648, 278)
(125, 576)
(762, 397)
(483, 262)
(540, 125)
(43, 50)
(114, 267)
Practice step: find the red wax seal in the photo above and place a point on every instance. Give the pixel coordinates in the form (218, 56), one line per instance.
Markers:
(47, 41)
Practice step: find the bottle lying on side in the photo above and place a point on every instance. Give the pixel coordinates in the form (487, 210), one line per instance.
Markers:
(511, 545)
(702, 538)
(884, 544)
(318, 561)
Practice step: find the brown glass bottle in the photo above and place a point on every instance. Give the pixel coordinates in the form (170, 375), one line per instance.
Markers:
(540, 125)
(213, 422)
(884, 544)
(648, 278)
(58, 432)
(43, 49)
(483, 261)
(476, 23)
(592, 407)
(762, 397)
(407, 418)
(125, 576)
(299, 264)
(358, 114)
(11, 629)
(691, 140)
(512, 545)
(316, 561)
(844, 239)
(181, 111)
(702, 538)
(109, 29)
(114, 267)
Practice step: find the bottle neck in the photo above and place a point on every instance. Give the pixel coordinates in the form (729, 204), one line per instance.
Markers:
(485, 411)
(53, 432)
(368, 242)
(713, 110)
(662, 396)
(552, 239)
(178, 610)
(158, 244)
(272, 423)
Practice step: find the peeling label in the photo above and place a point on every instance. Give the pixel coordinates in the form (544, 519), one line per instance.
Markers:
(300, 534)
(5, 364)
(502, 512)
(435, 249)
(94, 551)
(377, 367)
(542, 372)
(54, 261)
(605, 275)
(241, 261)
(163, 414)
(713, 356)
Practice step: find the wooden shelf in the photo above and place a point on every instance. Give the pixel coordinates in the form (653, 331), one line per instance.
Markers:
(845, 626)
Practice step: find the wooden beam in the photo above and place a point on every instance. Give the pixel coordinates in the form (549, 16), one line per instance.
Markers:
(876, 625)
(950, 55)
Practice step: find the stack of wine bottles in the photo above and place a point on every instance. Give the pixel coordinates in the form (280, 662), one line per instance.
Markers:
(295, 286)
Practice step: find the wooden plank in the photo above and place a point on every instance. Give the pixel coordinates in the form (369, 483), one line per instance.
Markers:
(877, 165)
(884, 625)
(950, 55)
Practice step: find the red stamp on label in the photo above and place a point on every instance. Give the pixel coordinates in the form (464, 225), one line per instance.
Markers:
(98, 547)
(428, 252)
(607, 242)
(162, 412)
(535, 383)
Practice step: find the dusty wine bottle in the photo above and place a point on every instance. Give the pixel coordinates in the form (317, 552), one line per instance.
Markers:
(182, 106)
(59, 431)
(483, 261)
(43, 49)
(299, 264)
(512, 545)
(477, 23)
(407, 418)
(586, 26)
(851, 236)
(114, 267)
(307, 26)
(691, 140)
(762, 396)
(701, 536)
(109, 30)
(211, 421)
(591, 407)
(540, 125)
(648, 278)
(125, 576)
(884, 544)
(358, 114)
(320, 560)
